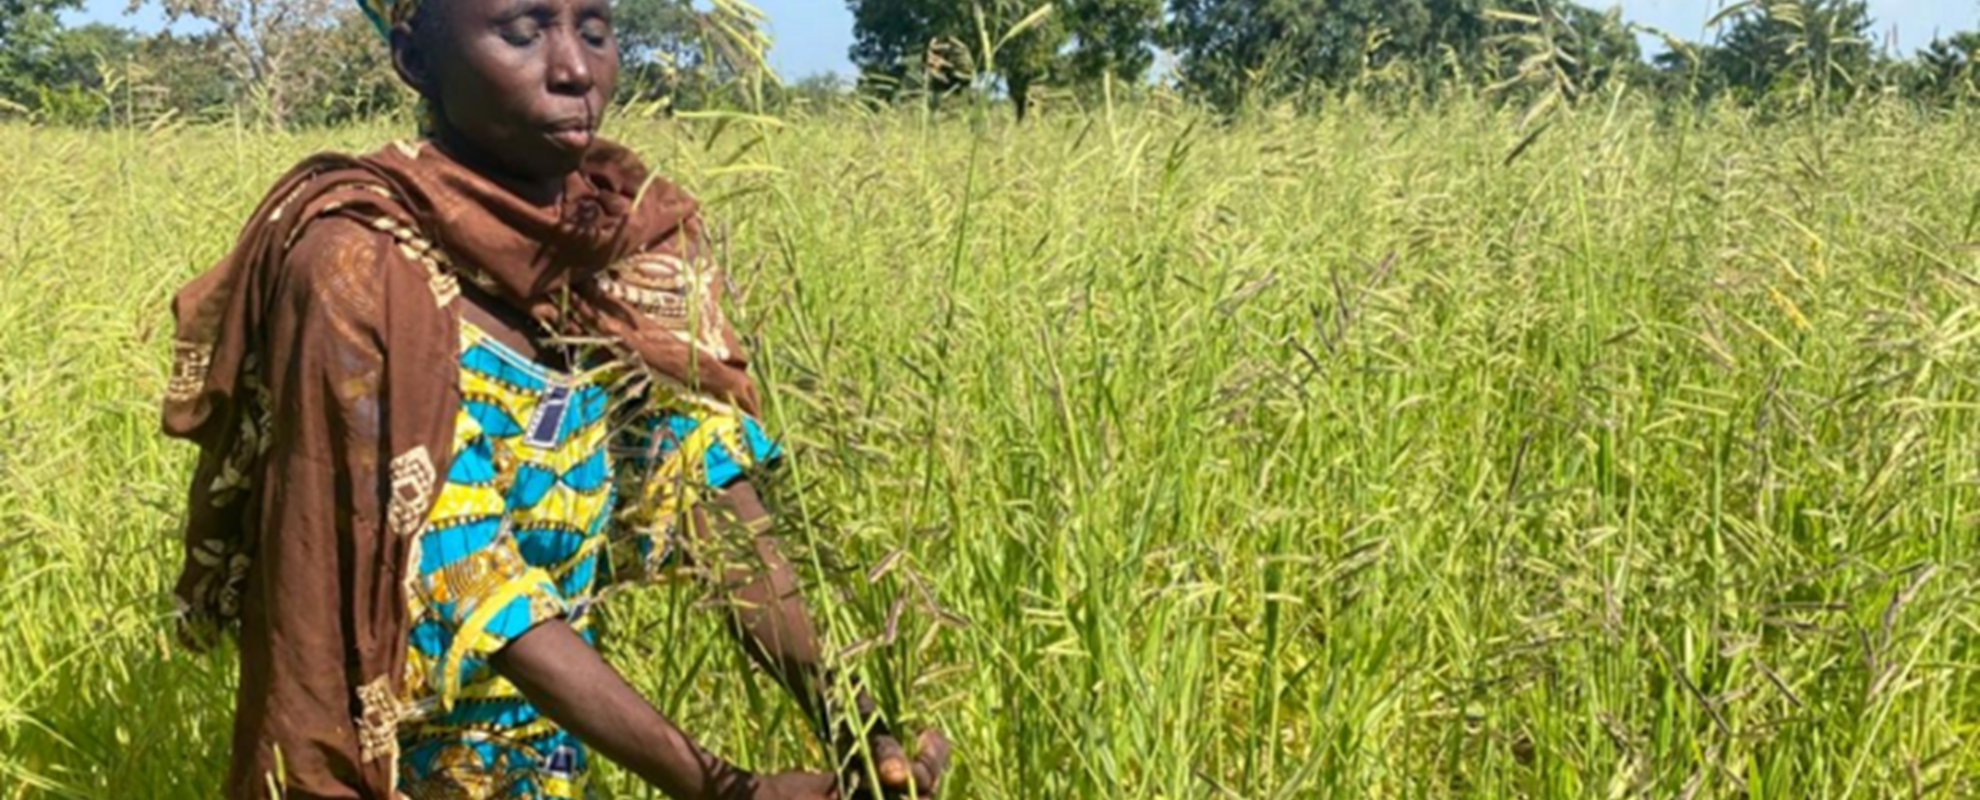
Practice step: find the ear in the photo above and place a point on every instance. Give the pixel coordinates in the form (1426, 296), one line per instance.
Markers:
(409, 59)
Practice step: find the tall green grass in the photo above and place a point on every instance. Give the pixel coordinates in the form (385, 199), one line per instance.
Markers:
(1153, 457)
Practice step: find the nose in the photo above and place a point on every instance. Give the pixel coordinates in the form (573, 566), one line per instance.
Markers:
(569, 71)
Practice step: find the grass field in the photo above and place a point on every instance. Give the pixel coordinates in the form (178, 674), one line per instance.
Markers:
(1305, 457)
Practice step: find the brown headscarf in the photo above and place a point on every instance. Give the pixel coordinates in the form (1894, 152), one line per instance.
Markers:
(315, 367)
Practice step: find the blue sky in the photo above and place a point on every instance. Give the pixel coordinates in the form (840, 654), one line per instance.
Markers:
(813, 35)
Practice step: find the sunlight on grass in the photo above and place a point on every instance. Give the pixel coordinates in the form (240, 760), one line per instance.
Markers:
(1153, 457)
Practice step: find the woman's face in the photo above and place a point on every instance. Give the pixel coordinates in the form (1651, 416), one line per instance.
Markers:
(517, 86)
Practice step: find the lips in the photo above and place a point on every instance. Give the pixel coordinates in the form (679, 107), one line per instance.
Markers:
(573, 133)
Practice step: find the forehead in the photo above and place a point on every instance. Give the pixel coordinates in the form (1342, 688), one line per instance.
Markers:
(488, 9)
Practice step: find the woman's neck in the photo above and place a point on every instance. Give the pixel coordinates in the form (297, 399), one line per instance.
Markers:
(510, 326)
(542, 193)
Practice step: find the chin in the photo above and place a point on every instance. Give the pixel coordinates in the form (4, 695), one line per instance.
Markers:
(548, 163)
(567, 158)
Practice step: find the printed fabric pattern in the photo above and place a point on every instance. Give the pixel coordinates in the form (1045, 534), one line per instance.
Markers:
(525, 530)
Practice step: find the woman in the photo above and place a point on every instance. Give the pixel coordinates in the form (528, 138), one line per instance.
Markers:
(446, 394)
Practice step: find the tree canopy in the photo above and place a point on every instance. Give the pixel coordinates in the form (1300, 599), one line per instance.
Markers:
(1820, 44)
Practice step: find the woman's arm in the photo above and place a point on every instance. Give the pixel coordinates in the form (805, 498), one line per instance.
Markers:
(685, 475)
(570, 683)
(769, 620)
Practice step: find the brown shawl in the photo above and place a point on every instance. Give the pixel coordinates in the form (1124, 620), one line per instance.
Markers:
(317, 374)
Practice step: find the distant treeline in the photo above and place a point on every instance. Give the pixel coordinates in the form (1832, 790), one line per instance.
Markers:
(316, 62)
(1234, 53)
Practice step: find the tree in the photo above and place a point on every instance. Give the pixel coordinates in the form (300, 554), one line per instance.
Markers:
(1025, 40)
(891, 38)
(1563, 47)
(950, 45)
(1233, 48)
(25, 22)
(267, 43)
(1601, 47)
(347, 72)
(814, 92)
(683, 55)
(76, 70)
(655, 38)
(1816, 46)
(28, 28)
(192, 71)
(1110, 37)
(1949, 69)
(61, 74)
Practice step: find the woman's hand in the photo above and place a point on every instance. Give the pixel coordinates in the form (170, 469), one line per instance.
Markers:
(795, 786)
(901, 776)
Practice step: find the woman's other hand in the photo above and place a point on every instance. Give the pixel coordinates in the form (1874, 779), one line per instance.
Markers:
(795, 786)
(901, 776)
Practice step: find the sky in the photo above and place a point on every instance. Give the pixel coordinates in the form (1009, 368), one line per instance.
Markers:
(812, 36)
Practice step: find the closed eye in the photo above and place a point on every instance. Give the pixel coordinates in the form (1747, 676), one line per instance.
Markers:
(522, 32)
(596, 31)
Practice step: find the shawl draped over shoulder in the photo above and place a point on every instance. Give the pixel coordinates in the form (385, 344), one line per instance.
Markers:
(314, 368)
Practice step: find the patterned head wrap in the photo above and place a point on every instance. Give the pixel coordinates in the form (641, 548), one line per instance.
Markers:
(386, 13)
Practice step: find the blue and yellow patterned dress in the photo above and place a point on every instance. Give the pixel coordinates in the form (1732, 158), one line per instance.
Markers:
(527, 528)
